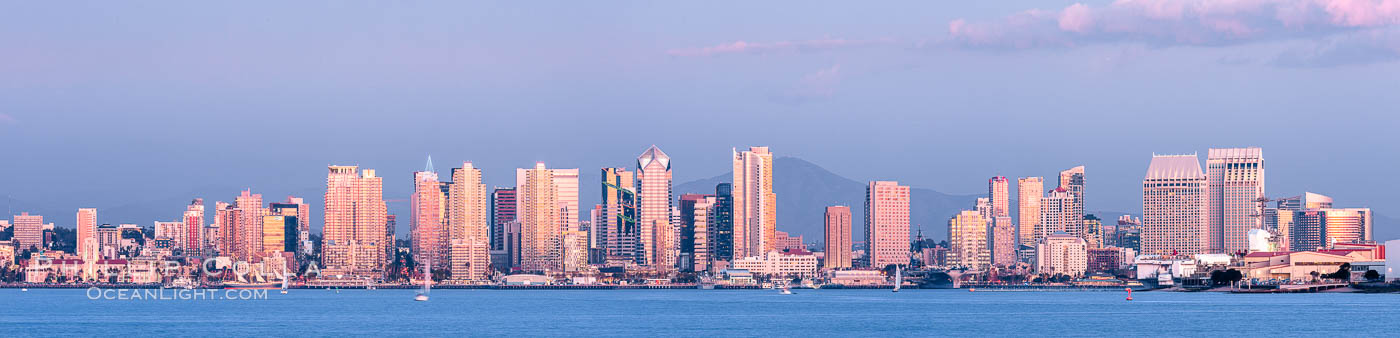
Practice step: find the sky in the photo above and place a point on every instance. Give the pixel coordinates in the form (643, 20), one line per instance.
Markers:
(104, 103)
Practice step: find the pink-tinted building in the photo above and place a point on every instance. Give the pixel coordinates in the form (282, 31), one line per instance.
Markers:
(998, 190)
(355, 218)
(430, 241)
(887, 223)
(658, 242)
(28, 232)
(194, 228)
(86, 232)
(838, 237)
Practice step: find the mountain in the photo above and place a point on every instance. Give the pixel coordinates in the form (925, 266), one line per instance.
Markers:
(805, 190)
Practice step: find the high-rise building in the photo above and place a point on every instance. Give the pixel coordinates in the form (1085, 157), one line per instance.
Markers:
(468, 224)
(502, 213)
(1072, 180)
(542, 223)
(87, 231)
(391, 243)
(1031, 189)
(887, 223)
(245, 238)
(1324, 227)
(1279, 222)
(1092, 231)
(998, 190)
(276, 238)
(755, 203)
(195, 243)
(566, 181)
(967, 241)
(1235, 184)
(722, 224)
(1062, 253)
(695, 241)
(659, 245)
(355, 222)
(1174, 212)
(838, 237)
(225, 219)
(427, 219)
(300, 235)
(1003, 241)
(617, 216)
(1057, 214)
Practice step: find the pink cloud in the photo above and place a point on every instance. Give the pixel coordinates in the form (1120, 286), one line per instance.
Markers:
(779, 46)
(1177, 22)
(7, 119)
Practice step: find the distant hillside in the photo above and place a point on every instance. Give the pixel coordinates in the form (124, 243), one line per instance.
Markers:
(805, 190)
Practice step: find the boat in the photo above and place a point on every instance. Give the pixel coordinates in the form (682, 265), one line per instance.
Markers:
(181, 283)
(427, 277)
(286, 278)
(24, 290)
(898, 278)
(785, 291)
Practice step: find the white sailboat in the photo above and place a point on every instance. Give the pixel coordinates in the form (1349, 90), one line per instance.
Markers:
(427, 277)
(898, 278)
(286, 278)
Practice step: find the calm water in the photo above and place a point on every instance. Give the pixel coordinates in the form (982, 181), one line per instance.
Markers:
(45, 312)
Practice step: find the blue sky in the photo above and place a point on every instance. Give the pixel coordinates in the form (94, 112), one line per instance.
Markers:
(103, 103)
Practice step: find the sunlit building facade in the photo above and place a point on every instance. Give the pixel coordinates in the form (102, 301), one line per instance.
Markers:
(617, 215)
(1174, 209)
(355, 222)
(658, 242)
(755, 203)
(541, 220)
(968, 241)
(1235, 181)
(838, 237)
(887, 223)
(1031, 189)
(468, 224)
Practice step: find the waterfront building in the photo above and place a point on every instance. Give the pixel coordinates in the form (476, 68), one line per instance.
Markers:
(1235, 184)
(502, 213)
(86, 231)
(658, 243)
(1294, 265)
(575, 250)
(1031, 190)
(967, 240)
(1062, 253)
(838, 237)
(355, 219)
(695, 212)
(1279, 222)
(426, 219)
(755, 205)
(787, 242)
(617, 217)
(468, 224)
(542, 220)
(780, 264)
(1109, 259)
(1174, 207)
(887, 223)
(244, 236)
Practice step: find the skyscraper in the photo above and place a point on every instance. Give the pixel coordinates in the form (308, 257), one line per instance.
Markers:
(654, 209)
(1174, 214)
(87, 231)
(502, 213)
(1062, 253)
(755, 204)
(28, 232)
(1003, 241)
(838, 237)
(426, 220)
(468, 224)
(1057, 214)
(967, 241)
(245, 239)
(541, 218)
(998, 190)
(1072, 180)
(1235, 180)
(298, 237)
(695, 243)
(618, 215)
(722, 224)
(1031, 189)
(194, 229)
(887, 223)
(355, 221)
(1321, 228)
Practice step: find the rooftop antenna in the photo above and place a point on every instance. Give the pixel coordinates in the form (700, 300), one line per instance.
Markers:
(429, 168)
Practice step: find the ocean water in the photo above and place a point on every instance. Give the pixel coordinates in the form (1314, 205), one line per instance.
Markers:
(844, 313)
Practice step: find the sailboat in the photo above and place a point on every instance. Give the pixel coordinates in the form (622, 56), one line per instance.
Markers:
(898, 278)
(427, 277)
(286, 277)
(785, 290)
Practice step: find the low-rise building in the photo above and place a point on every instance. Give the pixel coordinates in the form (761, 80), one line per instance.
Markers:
(794, 263)
(856, 277)
(1062, 253)
(1110, 259)
(1298, 265)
